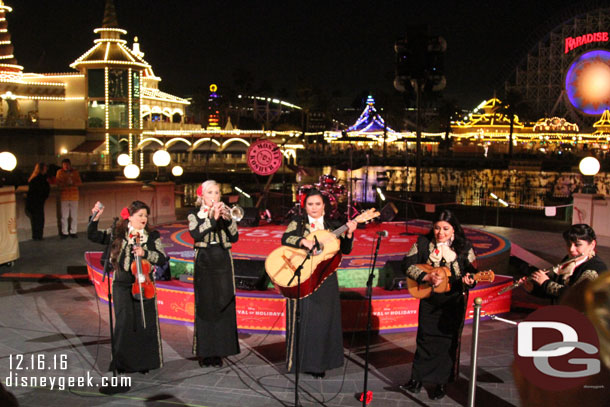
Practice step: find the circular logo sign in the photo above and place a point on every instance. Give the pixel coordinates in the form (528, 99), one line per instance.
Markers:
(588, 82)
(557, 348)
(264, 157)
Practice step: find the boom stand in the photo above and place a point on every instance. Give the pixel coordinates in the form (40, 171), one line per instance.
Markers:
(369, 293)
(109, 389)
(297, 325)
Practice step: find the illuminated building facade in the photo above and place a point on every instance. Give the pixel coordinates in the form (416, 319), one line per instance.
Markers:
(102, 110)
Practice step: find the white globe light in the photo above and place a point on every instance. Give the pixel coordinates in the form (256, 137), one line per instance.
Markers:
(131, 171)
(123, 160)
(161, 158)
(8, 161)
(589, 166)
(177, 171)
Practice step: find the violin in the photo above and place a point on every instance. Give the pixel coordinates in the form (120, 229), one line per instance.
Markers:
(144, 287)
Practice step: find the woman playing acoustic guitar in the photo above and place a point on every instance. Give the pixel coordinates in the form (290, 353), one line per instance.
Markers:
(137, 340)
(441, 316)
(320, 334)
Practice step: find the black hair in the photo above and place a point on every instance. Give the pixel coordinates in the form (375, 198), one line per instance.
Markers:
(460, 243)
(325, 201)
(580, 231)
(66, 160)
(121, 231)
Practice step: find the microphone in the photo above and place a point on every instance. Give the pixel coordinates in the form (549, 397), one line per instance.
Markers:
(382, 233)
(96, 211)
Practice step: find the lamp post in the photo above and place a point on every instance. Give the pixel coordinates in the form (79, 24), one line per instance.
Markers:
(161, 159)
(8, 162)
(177, 170)
(123, 160)
(131, 171)
(589, 166)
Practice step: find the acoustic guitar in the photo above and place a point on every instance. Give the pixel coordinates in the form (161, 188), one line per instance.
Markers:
(284, 261)
(425, 289)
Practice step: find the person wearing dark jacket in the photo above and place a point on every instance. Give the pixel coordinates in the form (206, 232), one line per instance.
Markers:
(320, 333)
(137, 345)
(213, 232)
(587, 265)
(441, 316)
(38, 192)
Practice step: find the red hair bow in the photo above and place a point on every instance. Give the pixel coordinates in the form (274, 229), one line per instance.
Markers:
(125, 213)
(200, 190)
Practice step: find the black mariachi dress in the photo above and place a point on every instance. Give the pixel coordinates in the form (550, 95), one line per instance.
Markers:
(320, 332)
(441, 316)
(136, 349)
(215, 332)
(557, 284)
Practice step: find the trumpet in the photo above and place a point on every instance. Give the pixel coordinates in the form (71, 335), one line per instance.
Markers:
(227, 212)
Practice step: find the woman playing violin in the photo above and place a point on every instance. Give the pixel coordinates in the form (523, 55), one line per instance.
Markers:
(215, 334)
(137, 340)
(580, 242)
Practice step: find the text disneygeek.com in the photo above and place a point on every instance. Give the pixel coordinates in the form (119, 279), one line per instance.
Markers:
(25, 371)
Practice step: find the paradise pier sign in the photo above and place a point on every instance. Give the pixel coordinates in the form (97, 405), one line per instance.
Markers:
(573, 43)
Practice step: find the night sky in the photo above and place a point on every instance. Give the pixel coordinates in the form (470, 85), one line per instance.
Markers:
(344, 46)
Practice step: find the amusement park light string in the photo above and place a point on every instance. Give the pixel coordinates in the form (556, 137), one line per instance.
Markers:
(510, 204)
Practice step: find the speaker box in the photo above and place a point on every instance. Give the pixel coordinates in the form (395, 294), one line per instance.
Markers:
(250, 274)
(395, 279)
(388, 212)
(250, 217)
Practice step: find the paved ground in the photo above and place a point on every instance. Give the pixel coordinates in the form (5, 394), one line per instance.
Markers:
(46, 322)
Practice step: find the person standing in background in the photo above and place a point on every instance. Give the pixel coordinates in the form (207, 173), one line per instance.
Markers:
(68, 180)
(38, 192)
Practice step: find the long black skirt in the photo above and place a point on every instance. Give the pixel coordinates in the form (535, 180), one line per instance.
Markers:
(215, 320)
(136, 349)
(440, 323)
(320, 333)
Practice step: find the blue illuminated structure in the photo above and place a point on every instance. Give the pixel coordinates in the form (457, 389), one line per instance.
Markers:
(370, 120)
(588, 82)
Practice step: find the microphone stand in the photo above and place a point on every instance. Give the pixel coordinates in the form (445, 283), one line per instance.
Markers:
(297, 325)
(369, 293)
(120, 388)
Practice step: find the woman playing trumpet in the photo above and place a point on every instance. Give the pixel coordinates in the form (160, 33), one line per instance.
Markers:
(213, 231)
